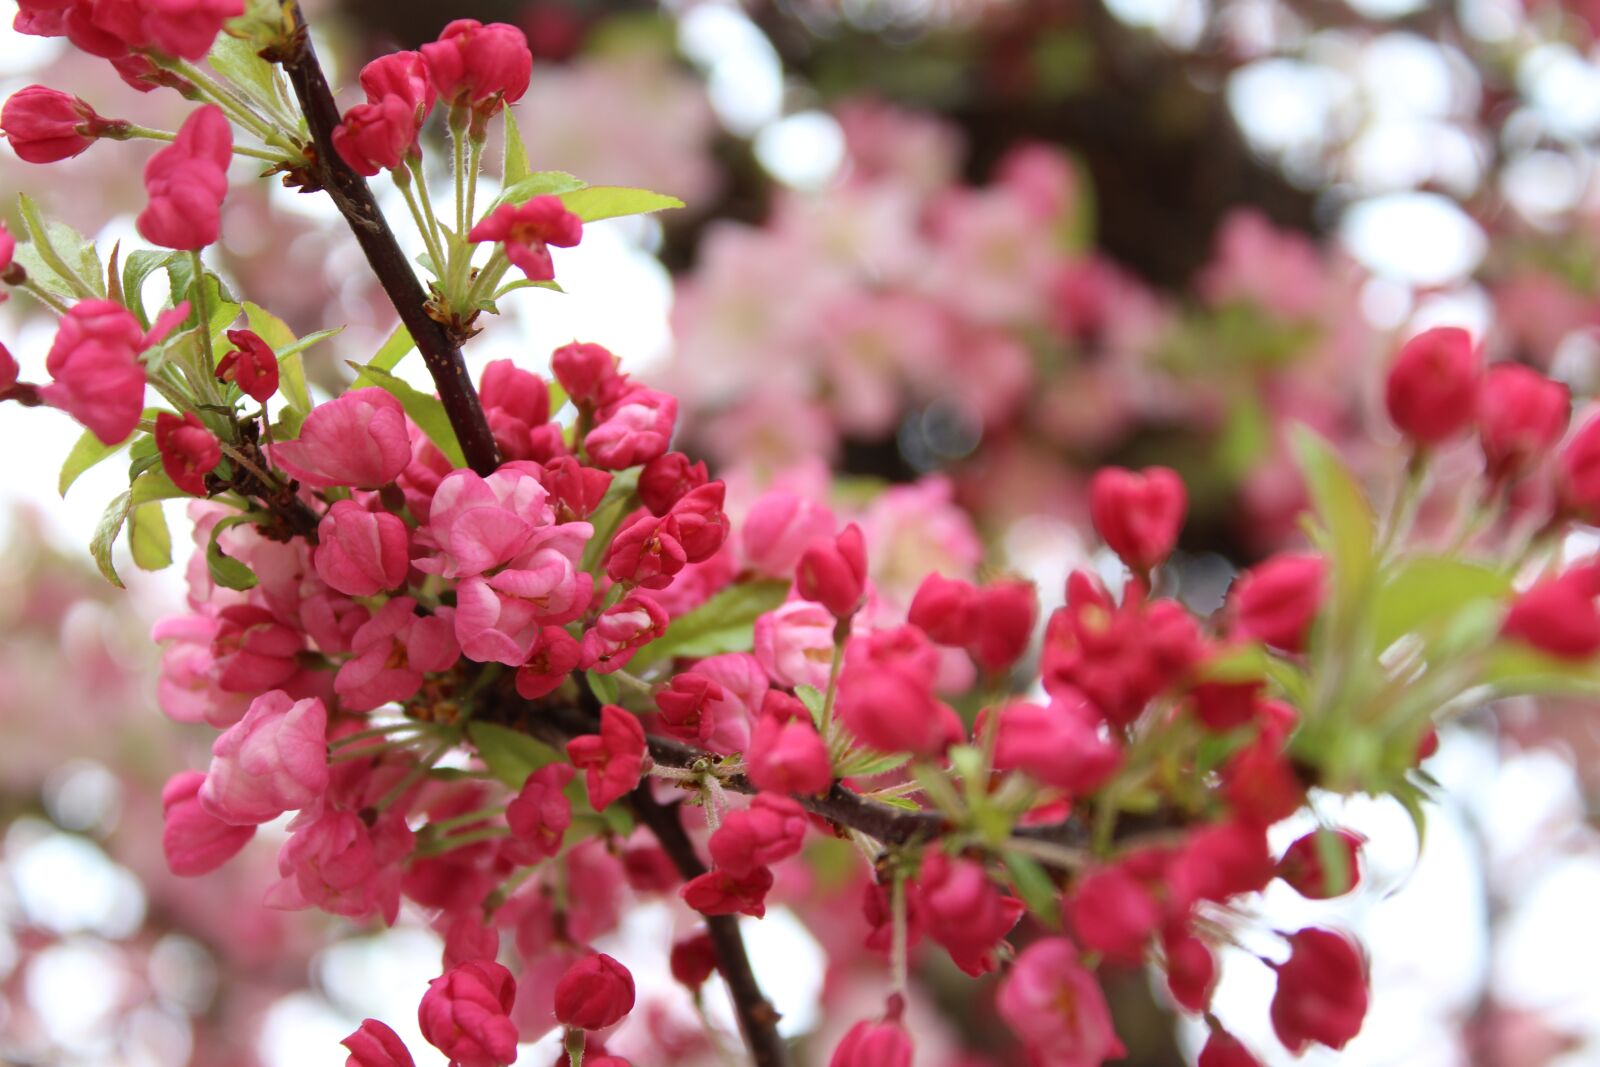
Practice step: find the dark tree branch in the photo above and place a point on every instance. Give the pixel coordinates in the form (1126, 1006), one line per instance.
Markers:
(758, 1020)
(355, 202)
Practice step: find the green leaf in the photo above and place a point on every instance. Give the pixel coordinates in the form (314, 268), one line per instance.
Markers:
(139, 266)
(814, 699)
(225, 570)
(595, 202)
(1035, 888)
(1343, 512)
(509, 755)
(267, 326)
(154, 485)
(868, 764)
(515, 165)
(1426, 594)
(105, 537)
(540, 183)
(394, 349)
(1515, 668)
(618, 502)
(604, 687)
(1335, 860)
(725, 623)
(74, 251)
(88, 451)
(315, 337)
(148, 537)
(291, 369)
(425, 410)
(236, 59)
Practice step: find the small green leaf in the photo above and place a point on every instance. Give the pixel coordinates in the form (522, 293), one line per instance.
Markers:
(154, 485)
(148, 537)
(267, 326)
(1035, 888)
(540, 183)
(315, 337)
(74, 250)
(510, 756)
(139, 266)
(1425, 594)
(236, 59)
(1344, 513)
(394, 349)
(225, 570)
(595, 202)
(425, 410)
(868, 764)
(725, 623)
(814, 699)
(88, 451)
(105, 537)
(618, 502)
(604, 687)
(515, 165)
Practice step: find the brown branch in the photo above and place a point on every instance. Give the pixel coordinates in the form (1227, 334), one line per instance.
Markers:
(758, 1020)
(355, 202)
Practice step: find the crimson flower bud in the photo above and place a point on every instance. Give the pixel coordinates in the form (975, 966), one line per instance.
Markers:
(787, 755)
(527, 230)
(1113, 912)
(470, 938)
(1559, 615)
(1259, 783)
(834, 573)
(963, 911)
(697, 521)
(870, 1044)
(375, 1045)
(251, 365)
(645, 552)
(575, 490)
(47, 125)
(649, 869)
(1521, 417)
(769, 831)
(666, 479)
(1432, 388)
(188, 450)
(588, 372)
(540, 813)
(1223, 706)
(1578, 473)
(1004, 612)
(485, 67)
(465, 1014)
(596, 992)
(362, 553)
(1191, 970)
(377, 135)
(946, 610)
(1220, 861)
(683, 703)
(1276, 601)
(553, 655)
(1224, 1050)
(1138, 513)
(612, 760)
(186, 183)
(1303, 864)
(402, 74)
(1322, 991)
(693, 959)
(717, 892)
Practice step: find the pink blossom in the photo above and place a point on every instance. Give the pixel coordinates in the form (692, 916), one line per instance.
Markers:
(886, 694)
(552, 657)
(95, 363)
(1060, 745)
(484, 66)
(377, 135)
(834, 572)
(273, 760)
(187, 689)
(794, 643)
(963, 911)
(465, 1015)
(403, 74)
(620, 631)
(253, 650)
(392, 653)
(741, 687)
(499, 617)
(916, 530)
(526, 230)
(789, 757)
(362, 553)
(779, 528)
(477, 524)
(1056, 1007)
(633, 429)
(540, 813)
(769, 831)
(358, 439)
(612, 760)
(335, 861)
(194, 841)
(517, 405)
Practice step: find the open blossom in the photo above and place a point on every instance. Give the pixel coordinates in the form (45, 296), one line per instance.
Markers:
(1322, 991)
(1056, 1007)
(963, 911)
(527, 230)
(477, 524)
(720, 892)
(465, 1014)
(252, 650)
(273, 760)
(358, 439)
(188, 450)
(194, 841)
(779, 528)
(612, 760)
(361, 553)
(46, 125)
(392, 652)
(769, 831)
(251, 365)
(186, 182)
(553, 656)
(335, 861)
(1138, 513)
(479, 65)
(1432, 389)
(540, 813)
(596, 992)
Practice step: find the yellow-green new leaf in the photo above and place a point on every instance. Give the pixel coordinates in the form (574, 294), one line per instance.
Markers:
(148, 537)
(105, 536)
(596, 202)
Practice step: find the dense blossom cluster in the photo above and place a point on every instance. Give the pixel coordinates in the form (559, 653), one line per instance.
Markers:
(467, 680)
